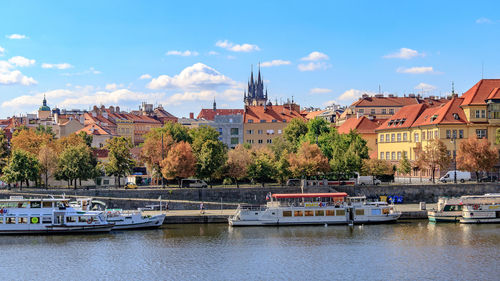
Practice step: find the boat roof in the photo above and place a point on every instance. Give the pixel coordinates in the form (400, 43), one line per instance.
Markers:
(309, 195)
(21, 199)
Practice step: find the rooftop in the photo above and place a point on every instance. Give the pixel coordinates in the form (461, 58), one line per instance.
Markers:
(271, 113)
(480, 92)
(209, 114)
(362, 125)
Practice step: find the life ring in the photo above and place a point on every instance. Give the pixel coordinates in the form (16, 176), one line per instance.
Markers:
(475, 207)
(89, 221)
(34, 220)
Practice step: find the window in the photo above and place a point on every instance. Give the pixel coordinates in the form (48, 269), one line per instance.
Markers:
(387, 138)
(454, 134)
(234, 131)
(1, 220)
(22, 220)
(448, 134)
(372, 111)
(10, 220)
(416, 137)
(287, 213)
(483, 113)
(405, 137)
(381, 155)
(71, 219)
(477, 113)
(250, 141)
(250, 120)
(393, 155)
(399, 155)
(330, 212)
(47, 220)
(279, 131)
(234, 141)
(262, 121)
(360, 212)
(399, 137)
(309, 213)
(269, 141)
(35, 204)
(249, 132)
(384, 111)
(361, 110)
(393, 136)
(423, 135)
(340, 213)
(297, 213)
(260, 132)
(405, 153)
(460, 134)
(274, 121)
(381, 138)
(391, 111)
(481, 133)
(260, 141)
(387, 157)
(320, 213)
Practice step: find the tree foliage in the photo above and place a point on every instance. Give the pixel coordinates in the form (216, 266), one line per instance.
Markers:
(120, 162)
(435, 156)
(238, 160)
(48, 162)
(308, 161)
(210, 159)
(376, 167)
(30, 141)
(22, 167)
(4, 150)
(404, 166)
(476, 155)
(262, 168)
(179, 163)
(76, 162)
(294, 132)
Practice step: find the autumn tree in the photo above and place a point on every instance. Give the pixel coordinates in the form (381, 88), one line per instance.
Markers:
(30, 141)
(376, 167)
(435, 156)
(22, 167)
(4, 150)
(262, 168)
(404, 166)
(238, 160)
(48, 162)
(476, 155)
(308, 161)
(154, 149)
(180, 162)
(497, 138)
(120, 162)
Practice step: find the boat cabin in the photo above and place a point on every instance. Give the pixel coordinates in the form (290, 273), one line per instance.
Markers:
(307, 199)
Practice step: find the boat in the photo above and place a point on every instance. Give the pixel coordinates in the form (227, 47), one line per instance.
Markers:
(448, 210)
(122, 220)
(481, 209)
(314, 209)
(19, 215)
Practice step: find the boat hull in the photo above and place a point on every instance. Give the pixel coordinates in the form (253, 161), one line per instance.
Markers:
(61, 229)
(392, 218)
(153, 222)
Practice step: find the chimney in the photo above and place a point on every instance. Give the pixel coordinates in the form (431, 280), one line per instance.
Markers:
(191, 115)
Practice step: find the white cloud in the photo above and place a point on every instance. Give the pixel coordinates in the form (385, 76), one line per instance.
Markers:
(416, 70)
(113, 86)
(16, 36)
(315, 56)
(275, 63)
(425, 87)
(57, 65)
(330, 102)
(319, 91)
(483, 20)
(145, 76)
(231, 94)
(21, 61)
(237, 47)
(197, 76)
(91, 70)
(313, 66)
(15, 77)
(2, 51)
(404, 53)
(352, 95)
(212, 53)
(186, 53)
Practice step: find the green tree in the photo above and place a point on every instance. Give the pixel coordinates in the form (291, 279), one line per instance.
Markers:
(475, 155)
(210, 159)
(201, 135)
(76, 163)
(87, 139)
(294, 132)
(41, 129)
(4, 150)
(498, 136)
(262, 168)
(120, 162)
(347, 152)
(22, 166)
(316, 128)
(404, 166)
(175, 130)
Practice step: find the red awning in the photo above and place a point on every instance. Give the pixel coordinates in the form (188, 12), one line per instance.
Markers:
(309, 195)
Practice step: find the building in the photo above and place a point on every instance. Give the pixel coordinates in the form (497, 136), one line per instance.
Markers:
(99, 134)
(254, 95)
(211, 113)
(365, 126)
(44, 110)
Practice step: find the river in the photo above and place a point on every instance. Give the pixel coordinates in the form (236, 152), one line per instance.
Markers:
(415, 250)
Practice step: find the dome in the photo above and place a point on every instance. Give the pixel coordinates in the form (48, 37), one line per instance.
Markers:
(44, 108)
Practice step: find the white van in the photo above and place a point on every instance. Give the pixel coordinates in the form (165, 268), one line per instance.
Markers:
(193, 183)
(363, 180)
(461, 176)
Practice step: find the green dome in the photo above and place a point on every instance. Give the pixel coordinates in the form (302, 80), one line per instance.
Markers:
(44, 108)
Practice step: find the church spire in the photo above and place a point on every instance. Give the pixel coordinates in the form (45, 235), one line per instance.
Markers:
(215, 105)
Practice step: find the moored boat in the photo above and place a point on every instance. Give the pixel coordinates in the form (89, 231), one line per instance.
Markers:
(314, 209)
(481, 209)
(448, 210)
(47, 216)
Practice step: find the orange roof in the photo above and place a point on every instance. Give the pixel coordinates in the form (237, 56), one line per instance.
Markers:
(396, 101)
(449, 113)
(313, 114)
(362, 125)
(495, 94)
(404, 118)
(209, 114)
(278, 113)
(94, 129)
(480, 92)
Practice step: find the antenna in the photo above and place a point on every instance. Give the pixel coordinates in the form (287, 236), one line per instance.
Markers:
(452, 88)
(379, 89)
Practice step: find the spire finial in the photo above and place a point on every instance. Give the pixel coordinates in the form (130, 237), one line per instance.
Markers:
(215, 105)
(452, 87)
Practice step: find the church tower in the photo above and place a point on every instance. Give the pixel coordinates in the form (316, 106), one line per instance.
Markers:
(254, 95)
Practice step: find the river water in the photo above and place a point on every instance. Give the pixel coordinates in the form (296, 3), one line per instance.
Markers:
(414, 250)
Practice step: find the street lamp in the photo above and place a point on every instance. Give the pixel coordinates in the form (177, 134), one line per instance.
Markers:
(454, 141)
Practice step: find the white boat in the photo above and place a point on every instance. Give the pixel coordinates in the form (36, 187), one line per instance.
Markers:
(314, 209)
(47, 216)
(122, 220)
(448, 210)
(481, 209)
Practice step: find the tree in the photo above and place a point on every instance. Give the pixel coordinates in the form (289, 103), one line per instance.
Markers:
(75, 162)
(282, 168)
(48, 162)
(201, 135)
(30, 141)
(152, 152)
(176, 131)
(120, 162)
(294, 132)
(238, 160)
(22, 166)
(404, 166)
(315, 128)
(476, 155)
(41, 129)
(497, 141)
(261, 168)
(4, 150)
(347, 152)
(435, 155)
(308, 161)
(210, 159)
(179, 163)
(86, 138)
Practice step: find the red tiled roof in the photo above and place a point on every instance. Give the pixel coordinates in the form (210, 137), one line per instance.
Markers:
(362, 125)
(396, 101)
(313, 114)
(94, 129)
(444, 114)
(274, 112)
(209, 114)
(480, 92)
(100, 153)
(409, 113)
(495, 94)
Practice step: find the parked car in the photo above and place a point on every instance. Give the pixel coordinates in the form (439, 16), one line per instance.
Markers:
(130, 185)
(491, 178)
(461, 176)
(193, 183)
(293, 182)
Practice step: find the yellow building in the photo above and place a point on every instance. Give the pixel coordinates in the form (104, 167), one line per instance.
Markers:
(475, 114)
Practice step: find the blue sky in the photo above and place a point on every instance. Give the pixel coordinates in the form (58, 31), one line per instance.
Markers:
(182, 54)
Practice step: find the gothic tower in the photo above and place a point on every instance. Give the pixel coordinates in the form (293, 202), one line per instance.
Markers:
(254, 95)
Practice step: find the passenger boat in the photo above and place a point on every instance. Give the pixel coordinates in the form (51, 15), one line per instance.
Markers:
(448, 210)
(481, 209)
(47, 216)
(122, 220)
(314, 209)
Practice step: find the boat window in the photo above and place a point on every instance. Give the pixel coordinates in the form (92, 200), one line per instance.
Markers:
(375, 212)
(10, 220)
(71, 219)
(47, 204)
(22, 204)
(360, 212)
(35, 204)
(309, 213)
(82, 219)
(22, 220)
(34, 220)
(297, 214)
(340, 212)
(330, 212)
(287, 213)
(47, 220)
(1, 220)
(320, 213)
(451, 208)
(385, 211)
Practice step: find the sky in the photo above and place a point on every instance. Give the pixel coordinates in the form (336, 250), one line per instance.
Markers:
(185, 54)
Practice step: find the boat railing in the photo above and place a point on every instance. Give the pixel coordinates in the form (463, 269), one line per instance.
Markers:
(252, 207)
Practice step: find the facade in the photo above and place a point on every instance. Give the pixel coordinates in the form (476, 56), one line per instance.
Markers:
(230, 128)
